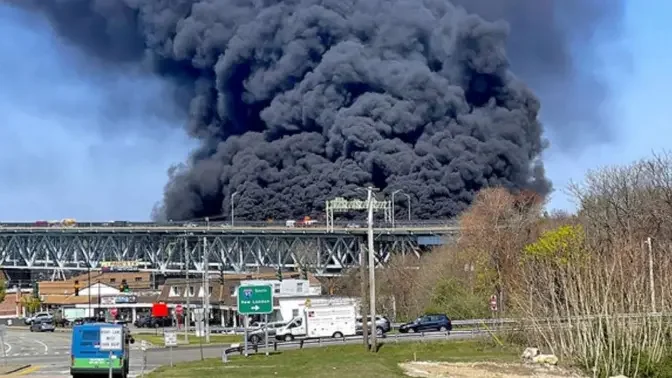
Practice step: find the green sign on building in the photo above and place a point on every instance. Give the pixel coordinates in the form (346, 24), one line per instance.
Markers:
(255, 300)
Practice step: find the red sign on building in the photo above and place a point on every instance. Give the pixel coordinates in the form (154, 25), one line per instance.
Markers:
(160, 310)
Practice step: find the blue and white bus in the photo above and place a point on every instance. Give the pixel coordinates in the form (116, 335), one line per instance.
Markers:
(87, 360)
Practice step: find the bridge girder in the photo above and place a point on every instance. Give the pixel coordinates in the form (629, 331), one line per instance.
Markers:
(169, 251)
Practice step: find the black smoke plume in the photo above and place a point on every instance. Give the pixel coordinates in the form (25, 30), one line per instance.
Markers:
(296, 102)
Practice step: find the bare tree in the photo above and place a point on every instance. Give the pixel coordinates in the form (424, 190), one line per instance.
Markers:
(602, 291)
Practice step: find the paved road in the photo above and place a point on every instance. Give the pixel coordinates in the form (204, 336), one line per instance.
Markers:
(54, 363)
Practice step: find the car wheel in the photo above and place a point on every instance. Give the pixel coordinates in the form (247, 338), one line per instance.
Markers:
(255, 339)
(443, 329)
(379, 332)
(411, 330)
(289, 337)
(337, 335)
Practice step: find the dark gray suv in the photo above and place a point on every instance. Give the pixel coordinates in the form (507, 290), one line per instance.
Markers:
(383, 325)
(427, 323)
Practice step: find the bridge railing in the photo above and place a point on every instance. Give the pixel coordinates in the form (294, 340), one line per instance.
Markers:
(405, 224)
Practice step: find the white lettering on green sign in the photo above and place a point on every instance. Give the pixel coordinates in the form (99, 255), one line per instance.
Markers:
(253, 300)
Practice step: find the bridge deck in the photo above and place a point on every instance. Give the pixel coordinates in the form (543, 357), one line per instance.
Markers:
(226, 230)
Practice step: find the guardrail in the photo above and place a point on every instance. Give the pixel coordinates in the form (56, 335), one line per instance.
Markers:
(466, 322)
(302, 343)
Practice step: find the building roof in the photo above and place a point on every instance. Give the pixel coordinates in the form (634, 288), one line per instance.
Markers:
(135, 280)
(66, 300)
(220, 294)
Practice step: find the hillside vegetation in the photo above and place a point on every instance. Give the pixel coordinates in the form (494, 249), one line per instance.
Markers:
(611, 258)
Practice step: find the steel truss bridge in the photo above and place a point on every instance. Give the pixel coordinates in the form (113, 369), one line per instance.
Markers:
(173, 249)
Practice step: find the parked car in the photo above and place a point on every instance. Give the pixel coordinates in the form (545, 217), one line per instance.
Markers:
(38, 316)
(428, 322)
(42, 325)
(257, 336)
(383, 325)
(142, 321)
(160, 322)
(92, 319)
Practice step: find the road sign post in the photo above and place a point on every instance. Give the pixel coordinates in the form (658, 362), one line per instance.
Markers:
(493, 303)
(179, 312)
(111, 340)
(170, 340)
(254, 300)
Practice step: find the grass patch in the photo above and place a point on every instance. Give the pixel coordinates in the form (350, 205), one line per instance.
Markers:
(193, 340)
(342, 361)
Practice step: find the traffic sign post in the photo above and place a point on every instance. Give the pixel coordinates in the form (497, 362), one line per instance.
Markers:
(493, 306)
(179, 311)
(170, 340)
(493, 303)
(111, 340)
(254, 300)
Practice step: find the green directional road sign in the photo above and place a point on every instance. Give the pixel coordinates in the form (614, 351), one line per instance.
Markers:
(255, 300)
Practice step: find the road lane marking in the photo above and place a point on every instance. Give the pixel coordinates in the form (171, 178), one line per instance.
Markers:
(9, 348)
(46, 348)
(25, 371)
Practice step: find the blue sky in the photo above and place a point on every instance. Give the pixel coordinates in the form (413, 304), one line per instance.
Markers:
(67, 152)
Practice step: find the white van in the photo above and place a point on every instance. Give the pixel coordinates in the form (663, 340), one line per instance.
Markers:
(321, 321)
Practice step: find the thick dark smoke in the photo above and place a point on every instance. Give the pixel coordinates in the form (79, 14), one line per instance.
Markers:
(296, 102)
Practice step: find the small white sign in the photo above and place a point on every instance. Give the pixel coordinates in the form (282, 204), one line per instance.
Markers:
(111, 339)
(170, 338)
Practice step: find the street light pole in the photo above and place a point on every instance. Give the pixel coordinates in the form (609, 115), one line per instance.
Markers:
(393, 207)
(99, 301)
(88, 271)
(409, 205)
(232, 207)
(187, 311)
(372, 273)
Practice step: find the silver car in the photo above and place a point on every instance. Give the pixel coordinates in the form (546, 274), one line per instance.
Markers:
(258, 335)
(42, 325)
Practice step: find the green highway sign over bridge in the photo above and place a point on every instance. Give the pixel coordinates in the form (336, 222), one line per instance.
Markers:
(255, 300)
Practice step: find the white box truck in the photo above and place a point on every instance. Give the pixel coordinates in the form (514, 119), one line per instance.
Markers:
(321, 321)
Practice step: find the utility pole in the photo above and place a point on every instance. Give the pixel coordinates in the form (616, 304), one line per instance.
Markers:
(651, 283)
(372, 274)
(206, 290)
(187, 310)
(363, 304)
